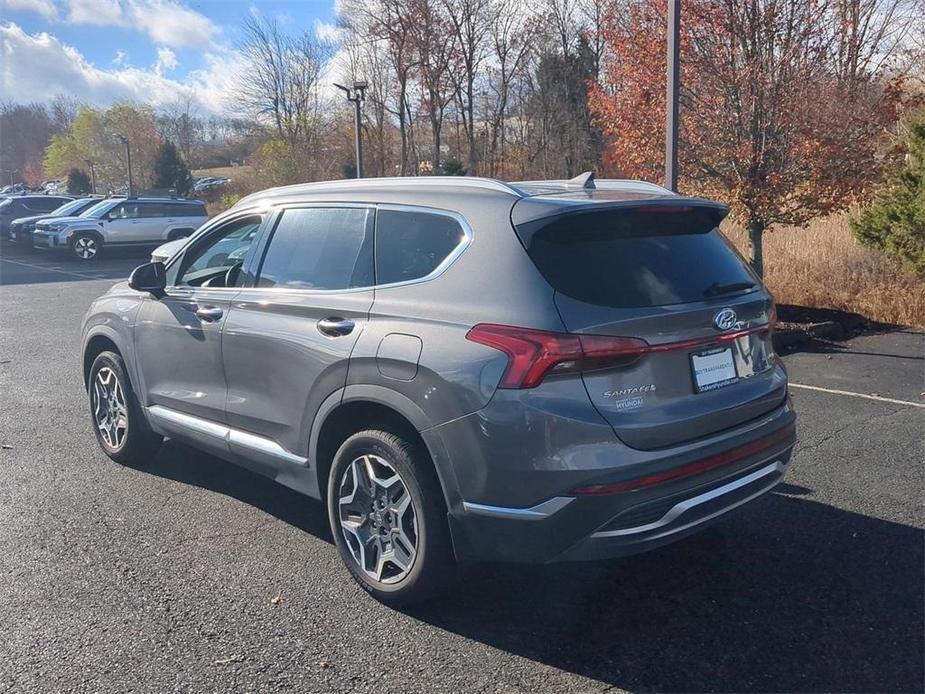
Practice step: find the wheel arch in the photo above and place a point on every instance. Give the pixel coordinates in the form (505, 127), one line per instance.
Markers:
(101, 340)
(359, 407)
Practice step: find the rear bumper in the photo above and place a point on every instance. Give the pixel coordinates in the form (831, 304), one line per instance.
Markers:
(564, 526)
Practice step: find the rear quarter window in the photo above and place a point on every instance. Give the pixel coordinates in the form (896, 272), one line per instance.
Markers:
(412, 244)
(629, 259)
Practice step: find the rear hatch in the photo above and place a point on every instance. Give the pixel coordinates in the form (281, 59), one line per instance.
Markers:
(659, 271)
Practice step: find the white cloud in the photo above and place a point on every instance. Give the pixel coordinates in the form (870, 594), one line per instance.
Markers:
(46, 8)
(166, 60)
(99, 12)
(121, 58)
(327, 31)
(167, 22)
(39, 66)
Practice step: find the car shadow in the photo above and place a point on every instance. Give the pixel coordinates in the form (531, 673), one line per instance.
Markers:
(789, 594)
(186, 465)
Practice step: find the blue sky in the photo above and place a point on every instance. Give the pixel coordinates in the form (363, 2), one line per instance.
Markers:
(142, 50)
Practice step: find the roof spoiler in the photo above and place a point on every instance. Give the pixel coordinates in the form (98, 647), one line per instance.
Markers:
(540, 210)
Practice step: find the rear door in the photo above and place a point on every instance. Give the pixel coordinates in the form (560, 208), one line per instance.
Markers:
(289, 336)
(663, 274)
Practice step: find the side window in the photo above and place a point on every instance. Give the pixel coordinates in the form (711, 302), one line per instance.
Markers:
(320, 248)
(150, 209)
(411, 244)
(44, 204)
(124, 210)
(218, 257)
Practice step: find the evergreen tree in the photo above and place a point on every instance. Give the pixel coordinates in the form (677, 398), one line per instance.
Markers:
(78, 182)
(170, 171)
(895, 222)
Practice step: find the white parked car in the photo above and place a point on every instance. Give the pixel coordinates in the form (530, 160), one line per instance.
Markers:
(121, 222)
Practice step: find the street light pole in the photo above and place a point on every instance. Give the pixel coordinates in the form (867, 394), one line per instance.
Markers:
(128, 159)
(672, 95)
(92, 176)
(357, 95)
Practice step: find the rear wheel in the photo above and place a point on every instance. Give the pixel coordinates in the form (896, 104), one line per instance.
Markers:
(120, 428)
(388, 518)
(86, 246)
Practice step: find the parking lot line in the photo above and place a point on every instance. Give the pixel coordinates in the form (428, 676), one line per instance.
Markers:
(81, 275)
(858, 395)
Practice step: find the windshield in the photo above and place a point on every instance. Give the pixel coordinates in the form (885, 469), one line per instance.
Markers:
(98, 210)
(70, 207)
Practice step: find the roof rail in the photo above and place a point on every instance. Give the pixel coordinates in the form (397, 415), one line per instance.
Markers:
(394, 182)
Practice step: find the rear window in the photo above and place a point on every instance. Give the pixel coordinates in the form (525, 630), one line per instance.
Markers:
(638, 257)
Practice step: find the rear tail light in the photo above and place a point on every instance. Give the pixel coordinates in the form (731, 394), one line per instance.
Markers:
(533, 354)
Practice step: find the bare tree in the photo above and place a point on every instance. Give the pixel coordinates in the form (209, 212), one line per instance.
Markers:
(279, 82)
(468, 21)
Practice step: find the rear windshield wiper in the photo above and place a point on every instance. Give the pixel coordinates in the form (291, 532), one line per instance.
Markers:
(719, 289)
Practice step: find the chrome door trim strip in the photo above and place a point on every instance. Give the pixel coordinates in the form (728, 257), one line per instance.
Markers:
(683, 506)
(252, 442)
(538, 512)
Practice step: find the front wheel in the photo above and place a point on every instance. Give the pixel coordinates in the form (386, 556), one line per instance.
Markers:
(120, 428)
(388, 518)
(86, 246)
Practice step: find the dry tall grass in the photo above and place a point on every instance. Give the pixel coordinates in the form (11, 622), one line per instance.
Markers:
(823, 265)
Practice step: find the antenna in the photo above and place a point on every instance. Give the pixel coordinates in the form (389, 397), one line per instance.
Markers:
(583, 180)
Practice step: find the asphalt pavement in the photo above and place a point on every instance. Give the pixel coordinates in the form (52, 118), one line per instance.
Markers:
(194, 575)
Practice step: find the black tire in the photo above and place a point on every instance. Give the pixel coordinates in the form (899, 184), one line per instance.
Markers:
(86, 246)
(138, 444)
(433, 567)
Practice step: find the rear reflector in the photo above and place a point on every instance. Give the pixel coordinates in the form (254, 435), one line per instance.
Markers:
(533, 354)
(714, 461)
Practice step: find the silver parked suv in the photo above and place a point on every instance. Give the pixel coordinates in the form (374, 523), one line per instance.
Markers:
(119, 222)
(462, 369)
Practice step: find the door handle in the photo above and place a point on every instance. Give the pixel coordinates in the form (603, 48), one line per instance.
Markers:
(335, 327)
(209, 313)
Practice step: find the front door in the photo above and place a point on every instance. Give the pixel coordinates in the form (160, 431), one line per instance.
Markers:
(288, 338)
(125, 224)
(178, 337)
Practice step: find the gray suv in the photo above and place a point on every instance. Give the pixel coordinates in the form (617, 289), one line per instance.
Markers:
(461, 369)
(120, 222)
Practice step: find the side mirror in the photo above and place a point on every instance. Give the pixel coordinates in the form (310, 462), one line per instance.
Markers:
(150, 277)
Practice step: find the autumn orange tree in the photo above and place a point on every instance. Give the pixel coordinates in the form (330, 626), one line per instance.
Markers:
(771, 120)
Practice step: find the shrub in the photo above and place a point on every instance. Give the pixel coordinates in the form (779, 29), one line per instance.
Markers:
(895, 221)
(78, 182)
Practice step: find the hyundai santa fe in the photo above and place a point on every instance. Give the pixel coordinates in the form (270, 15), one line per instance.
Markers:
(461, 369)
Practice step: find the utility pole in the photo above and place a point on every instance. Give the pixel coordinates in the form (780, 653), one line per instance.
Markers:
(92, 176)
(672, 95)
(357, 95)
(128, 159)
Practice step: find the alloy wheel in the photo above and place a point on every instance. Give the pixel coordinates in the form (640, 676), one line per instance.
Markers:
(378, 519)
(85, 247)
(109, 409)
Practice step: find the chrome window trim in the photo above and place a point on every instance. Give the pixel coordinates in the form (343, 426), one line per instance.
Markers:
(451, 257)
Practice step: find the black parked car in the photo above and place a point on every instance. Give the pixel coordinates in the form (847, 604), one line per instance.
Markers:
(26, 206)
(21, 229)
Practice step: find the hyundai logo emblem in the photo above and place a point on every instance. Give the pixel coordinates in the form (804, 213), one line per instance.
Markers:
(725, 319)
